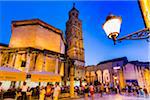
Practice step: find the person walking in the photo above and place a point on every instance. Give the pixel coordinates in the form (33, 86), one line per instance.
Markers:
(48, 92)
(145, 91)
(86, 92)
(92, 91)
(101, 89)
(1, 91)
(107, 88)
(129, 89)
(42, 93)
(24, 91)
(57, 91)
(137, 91)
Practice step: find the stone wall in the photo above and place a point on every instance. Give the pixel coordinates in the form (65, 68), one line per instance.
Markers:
(36, 36)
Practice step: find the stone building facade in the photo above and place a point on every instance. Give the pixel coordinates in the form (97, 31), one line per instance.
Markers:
(138, 72)
(106, 71)
(74, 38)
(34, 46)
(119, 71)
(37, 34)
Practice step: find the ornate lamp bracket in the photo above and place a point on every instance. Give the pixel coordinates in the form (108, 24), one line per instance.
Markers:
(139, 35)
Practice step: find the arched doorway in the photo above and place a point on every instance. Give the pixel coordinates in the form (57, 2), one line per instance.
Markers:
(87, 75)
(92, 78)
(99, 75)
(106, 76)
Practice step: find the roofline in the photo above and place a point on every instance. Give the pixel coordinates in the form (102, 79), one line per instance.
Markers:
(138, 62)
(38, 22)
(3, 44)
(111, 60)
(33, 22)
(90, 66)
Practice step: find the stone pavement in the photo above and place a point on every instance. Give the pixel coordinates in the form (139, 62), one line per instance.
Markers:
(107, 97)
(111, 97)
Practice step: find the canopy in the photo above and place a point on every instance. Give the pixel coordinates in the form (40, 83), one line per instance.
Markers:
(44, 77)
(11, 74)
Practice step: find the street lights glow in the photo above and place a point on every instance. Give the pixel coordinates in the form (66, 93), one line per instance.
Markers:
(112, 26)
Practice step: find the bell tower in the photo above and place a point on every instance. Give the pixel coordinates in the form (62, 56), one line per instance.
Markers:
(74, 38)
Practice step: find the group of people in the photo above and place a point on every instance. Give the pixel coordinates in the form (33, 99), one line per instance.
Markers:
(136, 90)
(50, 92)
(91, 89)
(24, 92)
(129, 90)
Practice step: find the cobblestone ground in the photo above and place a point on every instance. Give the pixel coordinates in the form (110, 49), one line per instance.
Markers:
(106, 97)
(111, 97)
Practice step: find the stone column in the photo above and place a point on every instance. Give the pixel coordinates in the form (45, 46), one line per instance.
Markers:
(28, 58)
(89, 77)
(7, 62)
(16, 62)
(44, 61)
(102, 77)
(111, 76)
(13, 60)
(72, 81)
(66, 67)
(121, 78)
(56, 66)
(35, 58)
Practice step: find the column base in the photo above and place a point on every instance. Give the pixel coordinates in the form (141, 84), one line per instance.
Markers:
(74, 97)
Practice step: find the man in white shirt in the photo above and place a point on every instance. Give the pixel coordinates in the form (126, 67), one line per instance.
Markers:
(57, 91)
(24, 89)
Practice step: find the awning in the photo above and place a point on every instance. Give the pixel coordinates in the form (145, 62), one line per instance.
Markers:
(11, 74)
(45, 77)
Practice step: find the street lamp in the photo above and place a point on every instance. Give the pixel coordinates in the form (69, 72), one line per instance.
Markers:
(112, 29)
(112, 26)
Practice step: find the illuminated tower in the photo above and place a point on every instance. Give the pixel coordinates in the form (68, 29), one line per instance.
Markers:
(75, 49)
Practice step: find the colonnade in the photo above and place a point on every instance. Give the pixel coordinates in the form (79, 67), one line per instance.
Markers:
(30, 60)
(102, 76)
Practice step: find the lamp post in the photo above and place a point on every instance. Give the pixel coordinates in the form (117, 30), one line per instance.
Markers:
(112, 27)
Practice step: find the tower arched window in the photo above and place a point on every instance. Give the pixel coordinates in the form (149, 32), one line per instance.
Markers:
(75, 22)
(76, 15)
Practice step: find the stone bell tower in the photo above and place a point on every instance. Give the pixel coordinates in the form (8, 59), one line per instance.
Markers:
(75, 48)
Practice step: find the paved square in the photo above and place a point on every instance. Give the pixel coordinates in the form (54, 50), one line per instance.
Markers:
(112, 97)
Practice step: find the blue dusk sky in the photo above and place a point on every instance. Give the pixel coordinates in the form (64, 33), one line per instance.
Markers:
(93, 14)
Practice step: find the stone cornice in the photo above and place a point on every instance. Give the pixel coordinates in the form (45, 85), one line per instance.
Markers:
(38, 22)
